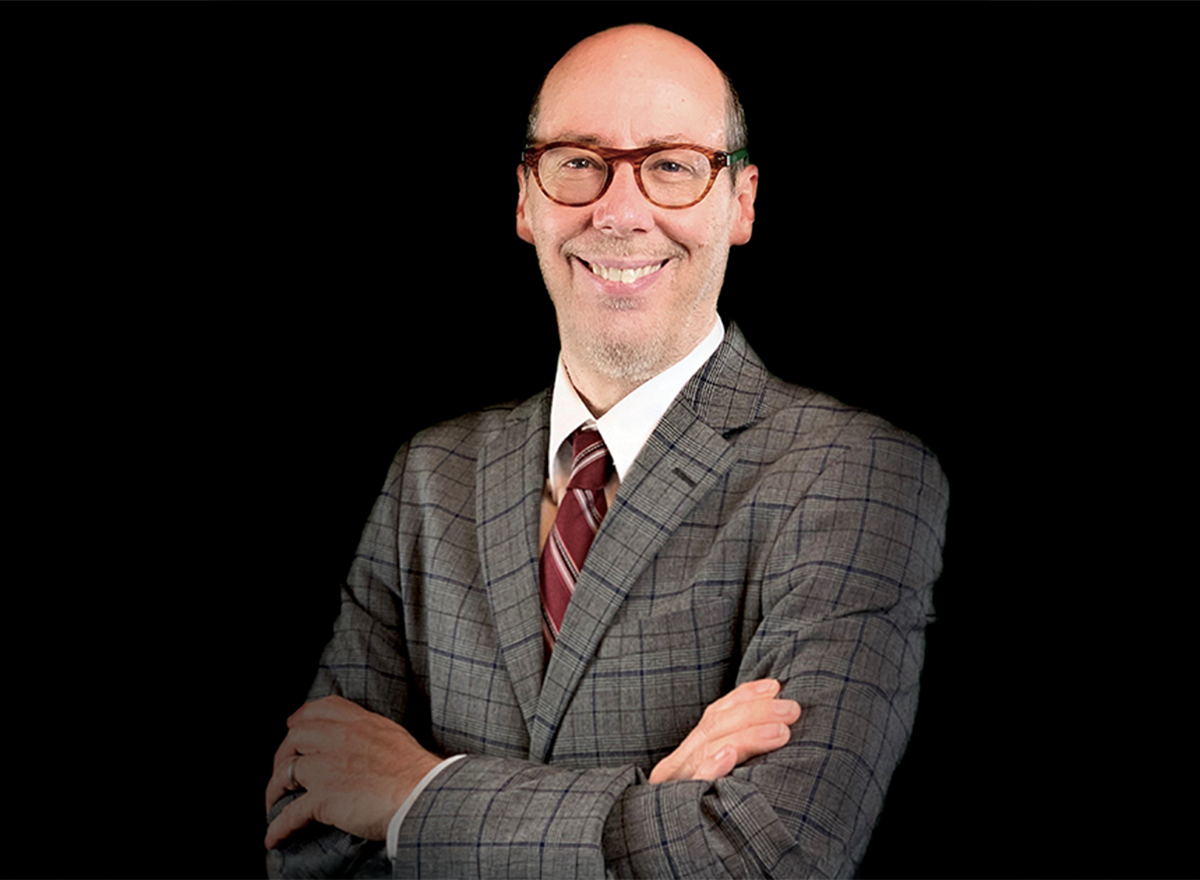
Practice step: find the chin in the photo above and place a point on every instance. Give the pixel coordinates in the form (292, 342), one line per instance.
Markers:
(625, 359)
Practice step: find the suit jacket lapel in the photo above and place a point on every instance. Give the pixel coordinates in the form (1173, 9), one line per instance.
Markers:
(509, 479)
(685, 457)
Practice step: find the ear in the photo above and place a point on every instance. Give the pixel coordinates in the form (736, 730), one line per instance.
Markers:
(523, 229)
(744, 193)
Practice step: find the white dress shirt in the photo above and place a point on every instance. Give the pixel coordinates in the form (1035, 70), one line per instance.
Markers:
(625, 429)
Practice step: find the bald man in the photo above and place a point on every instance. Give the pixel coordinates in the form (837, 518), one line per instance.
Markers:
(665, 618)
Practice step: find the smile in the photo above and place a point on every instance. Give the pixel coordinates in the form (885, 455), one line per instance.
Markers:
(623, 276)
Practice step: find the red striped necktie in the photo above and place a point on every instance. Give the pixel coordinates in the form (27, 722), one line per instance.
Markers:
(583, 506)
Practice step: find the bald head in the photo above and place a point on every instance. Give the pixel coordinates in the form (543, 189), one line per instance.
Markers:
(641, 60)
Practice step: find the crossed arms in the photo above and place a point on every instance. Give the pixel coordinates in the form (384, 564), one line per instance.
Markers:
(835, 616)
(360, 767)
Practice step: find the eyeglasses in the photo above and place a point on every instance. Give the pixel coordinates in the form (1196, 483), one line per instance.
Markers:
(669, 175)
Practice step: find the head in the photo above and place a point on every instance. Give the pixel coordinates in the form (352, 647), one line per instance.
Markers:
(626, 88)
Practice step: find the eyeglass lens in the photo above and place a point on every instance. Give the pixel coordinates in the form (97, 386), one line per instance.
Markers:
(671, 177)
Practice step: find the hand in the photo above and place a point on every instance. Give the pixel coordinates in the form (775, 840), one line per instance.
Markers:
(747, 721)
(357, 768)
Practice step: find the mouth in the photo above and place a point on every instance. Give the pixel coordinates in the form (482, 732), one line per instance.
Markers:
(623, 274)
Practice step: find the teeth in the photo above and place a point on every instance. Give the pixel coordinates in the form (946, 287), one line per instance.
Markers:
(624, 276)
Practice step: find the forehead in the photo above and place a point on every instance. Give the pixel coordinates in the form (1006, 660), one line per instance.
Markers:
(631, 95)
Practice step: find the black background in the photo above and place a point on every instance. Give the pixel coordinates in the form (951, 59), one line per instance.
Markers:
(278, 245)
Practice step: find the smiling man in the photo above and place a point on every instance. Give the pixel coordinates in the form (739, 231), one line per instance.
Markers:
(664, 619)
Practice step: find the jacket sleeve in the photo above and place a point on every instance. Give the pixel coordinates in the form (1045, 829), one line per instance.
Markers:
(846, 594)
(365, 661)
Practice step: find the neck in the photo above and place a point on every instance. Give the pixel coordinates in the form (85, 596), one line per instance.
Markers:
(601, 389)
(599, 393)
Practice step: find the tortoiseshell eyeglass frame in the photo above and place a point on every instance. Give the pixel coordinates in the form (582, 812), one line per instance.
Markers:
(717, 159)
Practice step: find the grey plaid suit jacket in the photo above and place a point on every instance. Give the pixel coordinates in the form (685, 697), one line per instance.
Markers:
(766, 530)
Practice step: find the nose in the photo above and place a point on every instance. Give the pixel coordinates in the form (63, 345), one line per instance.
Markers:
(623, 210)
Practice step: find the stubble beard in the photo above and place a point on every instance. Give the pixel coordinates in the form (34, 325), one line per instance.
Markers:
(632, 358)
(620, 359)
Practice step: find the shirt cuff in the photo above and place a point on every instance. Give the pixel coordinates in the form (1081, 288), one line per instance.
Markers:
(393, 833)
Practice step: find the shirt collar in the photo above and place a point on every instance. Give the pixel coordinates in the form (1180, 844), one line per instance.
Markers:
(627, 426)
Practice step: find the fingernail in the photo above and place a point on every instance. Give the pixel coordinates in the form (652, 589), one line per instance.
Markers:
(786, 708)
(766, 686)
(723, 754)
(774, 731)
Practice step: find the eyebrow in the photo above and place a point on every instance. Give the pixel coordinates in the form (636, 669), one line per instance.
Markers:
(593, 141)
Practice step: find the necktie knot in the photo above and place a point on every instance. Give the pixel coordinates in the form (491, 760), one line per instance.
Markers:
(591, 463)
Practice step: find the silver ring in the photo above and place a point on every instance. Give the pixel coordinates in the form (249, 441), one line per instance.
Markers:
(292, 772)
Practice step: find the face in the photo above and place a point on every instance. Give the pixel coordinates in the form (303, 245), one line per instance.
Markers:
(634, 286)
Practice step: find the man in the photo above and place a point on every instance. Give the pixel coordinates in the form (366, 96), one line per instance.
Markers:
(665, 619)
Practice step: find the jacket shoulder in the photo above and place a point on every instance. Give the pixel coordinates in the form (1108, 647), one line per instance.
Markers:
(811, 431)
(812, 412)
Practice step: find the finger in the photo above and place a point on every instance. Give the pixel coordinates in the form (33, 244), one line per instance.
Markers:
(281, 781)
(746, 744)
(276, 788)
(331, 708)
(301, 726)
(294, 816)
(759, 689)
(740, 717)
(310, 737)
(286, 749)
(724, 715)
(681, 763)
(751, 726)
(719, 765)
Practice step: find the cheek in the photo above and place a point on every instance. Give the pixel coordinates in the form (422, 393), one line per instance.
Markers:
(703, 236)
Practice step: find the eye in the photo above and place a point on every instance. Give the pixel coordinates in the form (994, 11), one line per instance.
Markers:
(676, 164)
(579, 163)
